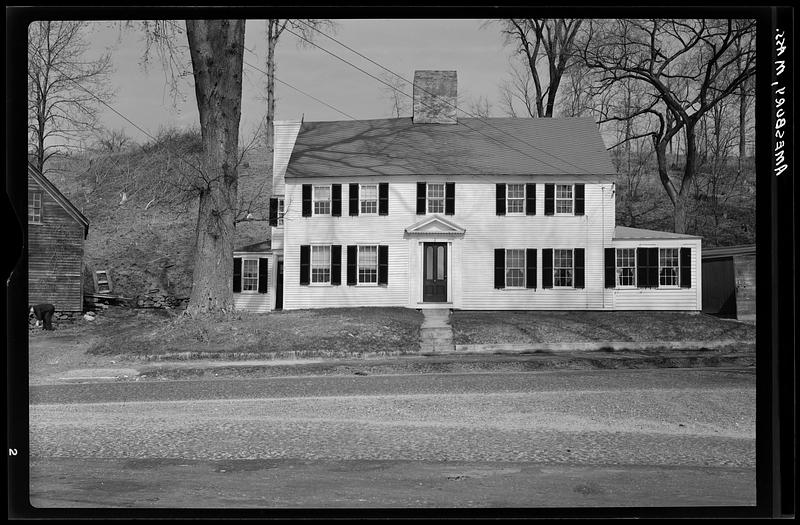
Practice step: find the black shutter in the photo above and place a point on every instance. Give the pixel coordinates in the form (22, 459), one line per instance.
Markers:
(450, 198)
(547, 268)
(237, 274)
(353, 201)
(611, 268)
(530, 268)
(499, 268)
(647, 267)
(578, 262)
(305, 264)
(336, 264)
(549, 199)
(383, 265)
(336, 200)
(352, 268)
(500, 199)
(579, 199)
(263, 275)
(273, 211)
(530, 199)
(306, 200)
(421, 198)
(383, 198)
(686, 267)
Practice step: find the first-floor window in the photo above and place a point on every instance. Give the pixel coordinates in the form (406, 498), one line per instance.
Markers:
(367, 264)
(435, 198)
(320, 264)
(668, 267)
(250, 275)
(626, 266)
(322, 200)
(34, 206)
(562, 267)
(369, 199)
(515, 199)
(515, 268)
(281, 211)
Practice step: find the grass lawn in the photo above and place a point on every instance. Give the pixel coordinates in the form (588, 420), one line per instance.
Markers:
(308, 333)
(521, 327)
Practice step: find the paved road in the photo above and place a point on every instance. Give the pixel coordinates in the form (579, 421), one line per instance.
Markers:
(685, 436)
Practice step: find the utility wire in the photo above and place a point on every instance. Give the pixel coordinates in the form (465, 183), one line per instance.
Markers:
(430, 93)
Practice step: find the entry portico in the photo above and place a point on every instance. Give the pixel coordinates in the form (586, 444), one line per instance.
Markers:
(434, 247)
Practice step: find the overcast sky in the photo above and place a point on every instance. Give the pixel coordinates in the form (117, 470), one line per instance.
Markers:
(478, 55)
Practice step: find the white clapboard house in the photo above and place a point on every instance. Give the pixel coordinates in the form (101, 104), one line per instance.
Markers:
(436, 211)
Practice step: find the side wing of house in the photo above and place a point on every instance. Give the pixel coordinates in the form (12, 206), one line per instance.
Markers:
(55, 244)
(253, 279)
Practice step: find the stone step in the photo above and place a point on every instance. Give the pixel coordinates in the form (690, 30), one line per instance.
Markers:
(436, 348)
(436, 332)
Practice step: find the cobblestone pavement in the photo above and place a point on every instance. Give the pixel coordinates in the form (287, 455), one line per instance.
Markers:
(575, 422)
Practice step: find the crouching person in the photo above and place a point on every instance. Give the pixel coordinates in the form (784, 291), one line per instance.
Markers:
(44, 313)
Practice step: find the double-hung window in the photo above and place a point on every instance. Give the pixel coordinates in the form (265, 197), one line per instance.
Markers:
(369, 199)
(281, 210)
(367, 264)
(436, 198)
(562, 268)
(515, 199)
(515, 268)
(321, 264)
(564, 201)
(668, 267)
(249, 275)
(322, 200)
(35, 207)
(626, 266)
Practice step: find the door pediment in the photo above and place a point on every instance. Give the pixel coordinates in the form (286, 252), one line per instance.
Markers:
(435, 225)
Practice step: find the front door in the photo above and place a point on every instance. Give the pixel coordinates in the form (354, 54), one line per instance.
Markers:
(434, 286)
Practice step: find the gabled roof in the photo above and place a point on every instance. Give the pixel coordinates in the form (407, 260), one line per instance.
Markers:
(492, 146)
(435, 225)
(59, 197)
(622, 233)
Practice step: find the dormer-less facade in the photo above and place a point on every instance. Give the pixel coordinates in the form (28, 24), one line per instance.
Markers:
(435, 211)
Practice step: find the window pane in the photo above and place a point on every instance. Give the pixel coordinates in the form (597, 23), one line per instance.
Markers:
(368, 264)
(369, 199)
(668, 267)
(34, 206)
(626, 266)
(563, 198)
(429, 263)
(320, 264)
(249, 275)
(322, 200)
(435, 198)
(440, 259)
(515, 268)
(562, 267)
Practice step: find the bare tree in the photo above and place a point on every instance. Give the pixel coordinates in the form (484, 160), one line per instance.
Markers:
(687, 67)
(479, 107)
(394, 89)
(551, 39)
(64, 87)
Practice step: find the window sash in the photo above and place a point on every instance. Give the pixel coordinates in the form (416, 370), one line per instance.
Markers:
(368, 264)
(626, 267)
(322, 203)
(515, 199)
(321, 264)
(368, 202)
(34, 206)
(562, 268)
(668, 266)
(564, 199)
(281, 210)
(249, 275)
(515, 268)
(435, 194)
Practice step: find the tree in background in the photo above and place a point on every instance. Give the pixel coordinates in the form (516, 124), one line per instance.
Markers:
(537, 39)
(685, 68)
(60, 112)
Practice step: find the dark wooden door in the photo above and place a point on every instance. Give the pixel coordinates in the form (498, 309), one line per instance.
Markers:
(719, 287)
(434, 272)
(279, 287)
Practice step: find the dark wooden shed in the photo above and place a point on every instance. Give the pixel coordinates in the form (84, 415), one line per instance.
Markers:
(56, 234)
(729, 281)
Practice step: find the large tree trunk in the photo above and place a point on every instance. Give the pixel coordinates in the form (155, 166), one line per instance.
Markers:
(217, 48)
(272, 41)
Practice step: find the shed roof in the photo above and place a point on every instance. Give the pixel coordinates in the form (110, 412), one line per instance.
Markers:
(473, 146)
(728, 251)
(65, 203)
(622, 233)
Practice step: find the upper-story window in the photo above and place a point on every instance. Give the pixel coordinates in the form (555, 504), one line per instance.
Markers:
(564, 199)
(668, 267)
(35, 207)
(322, 200)
(321, 264)
(515, 199)
(436, 198)
(369, 199)
(281, 210)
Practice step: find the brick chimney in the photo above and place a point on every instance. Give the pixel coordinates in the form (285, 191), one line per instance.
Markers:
(435, 94)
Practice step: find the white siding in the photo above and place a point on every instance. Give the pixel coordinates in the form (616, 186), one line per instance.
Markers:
(471, 255)
(252, 302)
(285, 137)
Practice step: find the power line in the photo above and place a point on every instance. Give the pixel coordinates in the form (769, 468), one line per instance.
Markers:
(426, 91)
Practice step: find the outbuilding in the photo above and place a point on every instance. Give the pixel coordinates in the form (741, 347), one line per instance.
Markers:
(729, 281)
